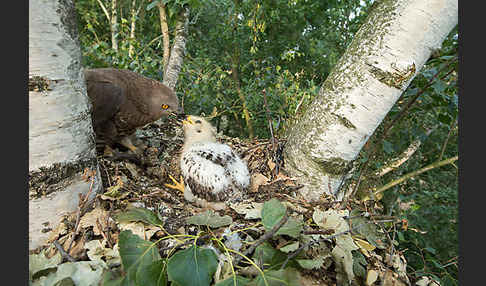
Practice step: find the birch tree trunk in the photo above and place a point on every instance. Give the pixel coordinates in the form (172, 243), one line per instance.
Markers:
(114, 25)
(133, 23)
(383, 58)
(178, 50)
(61, 138)
(164, 27)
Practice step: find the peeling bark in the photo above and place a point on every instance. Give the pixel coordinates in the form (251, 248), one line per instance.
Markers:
(383, 58)
(61, 138)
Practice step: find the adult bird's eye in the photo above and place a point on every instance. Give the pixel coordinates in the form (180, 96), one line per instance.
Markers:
(199, 131)
(198, 121)
(165, 106)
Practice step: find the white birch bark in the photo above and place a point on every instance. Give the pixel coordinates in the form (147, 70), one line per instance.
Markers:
(178, 50)
(385, 55)
(114, 25)
(164, 27)
(61, 138)
(133, 23)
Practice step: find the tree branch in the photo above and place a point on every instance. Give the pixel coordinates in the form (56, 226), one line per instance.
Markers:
(415, 173)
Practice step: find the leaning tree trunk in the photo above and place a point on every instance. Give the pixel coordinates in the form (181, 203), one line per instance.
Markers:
(178, 50)
(164, 27)
(61, 138)
(383, 58)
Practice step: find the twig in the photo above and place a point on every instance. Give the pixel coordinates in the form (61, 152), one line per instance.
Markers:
(453, 125)
(273, 140)
(64, 254)
(81, 205)
(415, 173)
(263, 238)
(98, 224)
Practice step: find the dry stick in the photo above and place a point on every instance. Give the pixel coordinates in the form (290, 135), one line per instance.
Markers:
(98, 224)
(64, 254)
(295, 253)
(263, 238)
(270, 125)
(415, 173)
(81, 205)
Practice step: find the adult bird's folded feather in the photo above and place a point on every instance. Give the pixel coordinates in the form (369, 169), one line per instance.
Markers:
(123, 101)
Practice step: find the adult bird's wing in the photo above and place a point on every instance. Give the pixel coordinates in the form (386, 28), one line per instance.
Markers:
(106, 99)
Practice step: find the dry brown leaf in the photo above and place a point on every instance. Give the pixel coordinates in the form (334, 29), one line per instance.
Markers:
(257, 180)
(89, 219)
(271, 164)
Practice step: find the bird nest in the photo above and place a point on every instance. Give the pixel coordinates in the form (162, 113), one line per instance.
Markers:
(138, 182)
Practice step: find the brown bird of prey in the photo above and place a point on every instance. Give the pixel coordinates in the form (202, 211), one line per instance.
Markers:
(212, 173)
(124, 101)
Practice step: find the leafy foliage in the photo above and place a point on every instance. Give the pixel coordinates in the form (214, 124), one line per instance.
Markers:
(236, 50)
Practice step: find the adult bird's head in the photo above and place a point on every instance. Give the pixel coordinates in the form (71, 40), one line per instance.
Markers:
(197, 130)
(164, 102)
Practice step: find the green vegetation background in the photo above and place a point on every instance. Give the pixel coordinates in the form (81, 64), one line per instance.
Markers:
(238, 49)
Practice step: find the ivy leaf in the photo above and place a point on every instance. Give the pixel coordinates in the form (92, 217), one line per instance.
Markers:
(192, 266)
(136, 254)
(138, 214)
(210, 218)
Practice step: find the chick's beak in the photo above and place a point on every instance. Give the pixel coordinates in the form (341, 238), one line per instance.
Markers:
(188, 120)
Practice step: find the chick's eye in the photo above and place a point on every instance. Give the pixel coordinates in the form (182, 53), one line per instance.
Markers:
(165, 106)
(198, 121)
(199, 131)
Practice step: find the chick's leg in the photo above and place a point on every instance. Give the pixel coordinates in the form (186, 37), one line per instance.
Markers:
(177, 185)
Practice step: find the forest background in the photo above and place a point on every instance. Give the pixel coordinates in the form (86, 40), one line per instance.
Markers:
(236, 50)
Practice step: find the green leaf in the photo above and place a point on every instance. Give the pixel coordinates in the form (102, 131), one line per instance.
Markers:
(138, 214)
(152, 4)
(311, 263)
(387, 147)
(269, 255)
(136, 253)
(192, 266)
(210, 218)
(272, 212)
(283, 277)
(153, 275)
(240, 281)
(290, 247)
(292, 228)
(111, 278)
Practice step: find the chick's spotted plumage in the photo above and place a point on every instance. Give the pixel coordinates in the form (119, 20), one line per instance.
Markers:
(211, 171)
(124, 101)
